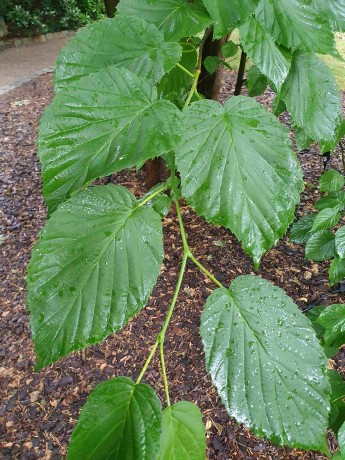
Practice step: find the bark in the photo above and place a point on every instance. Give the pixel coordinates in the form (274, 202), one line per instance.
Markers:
(240, 74)
(110, 7)
(155, 170)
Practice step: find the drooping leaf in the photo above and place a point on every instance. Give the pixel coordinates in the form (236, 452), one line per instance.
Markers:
(326, 218)
(256, 82)
(312, 98)
(212, 63)
(183, 433)
(175, 18)
(296, 24)
(333, 320)
(302, 139)
(105, 122)
(336, 270)
(278, 106)
(340, 241)
(264, 52)
(320, 246)
(234, 175)
(334, 10)
(124, 41)
(337, 414)
(228, 15)
(229, 49)
(331, 181)
(93, 268)
(177, 82)
(339, 134)
(161, 204)
(335, 200)
(121, 420)
(301, 230)
(313, 315)
(266, 363)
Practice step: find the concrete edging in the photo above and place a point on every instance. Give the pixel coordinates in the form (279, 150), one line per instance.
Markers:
(5, 89)
(27, 41)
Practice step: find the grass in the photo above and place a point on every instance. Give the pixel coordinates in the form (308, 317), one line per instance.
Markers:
(336, 65)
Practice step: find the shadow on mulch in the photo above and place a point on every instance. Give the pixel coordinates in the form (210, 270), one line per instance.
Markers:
(39, 410)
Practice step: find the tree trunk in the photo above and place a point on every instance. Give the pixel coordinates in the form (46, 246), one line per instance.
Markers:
(110, 7)
(206, 81)
(240, 74)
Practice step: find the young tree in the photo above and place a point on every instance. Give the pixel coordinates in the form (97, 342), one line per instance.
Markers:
(126, 92)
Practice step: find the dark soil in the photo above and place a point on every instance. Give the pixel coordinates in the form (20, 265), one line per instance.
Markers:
(39, 410)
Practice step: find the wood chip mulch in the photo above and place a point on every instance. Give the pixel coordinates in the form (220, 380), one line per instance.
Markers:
(38, 410)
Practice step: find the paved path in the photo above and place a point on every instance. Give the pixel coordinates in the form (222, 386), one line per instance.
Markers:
(19, 65)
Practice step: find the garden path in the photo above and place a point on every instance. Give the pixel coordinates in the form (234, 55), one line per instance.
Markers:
(20, 65)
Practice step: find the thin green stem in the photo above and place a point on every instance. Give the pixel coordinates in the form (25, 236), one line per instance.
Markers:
(193, 88)
(157, 192)
(165, 379)
(149, 359)
(185, 70)
(204, 270)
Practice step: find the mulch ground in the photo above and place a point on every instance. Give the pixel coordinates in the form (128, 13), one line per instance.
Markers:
(39, 410)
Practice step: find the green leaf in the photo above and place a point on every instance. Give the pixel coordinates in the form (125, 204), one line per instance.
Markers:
(333, 320)
(105, 122)
(122, 42)
(341, 440)
(320, 246)
(229, 49)
(256, 82)
(336, 270)
(93, 268)
(331, 181)
(325, 219)
(312, 98)
(330, 145)
(161, 204)
(234, 175)
(177, 82)
(278, 106)
(227, 15)
(301, 230)
(120, 420)
(334, 10)
(313, 315)
(266, 363)
(337, 414)
(175, 18)
(335, 200)
(340, 241)
(296, 24)
(263, 51)
(212, 63)
(301, 138)
(183, 433)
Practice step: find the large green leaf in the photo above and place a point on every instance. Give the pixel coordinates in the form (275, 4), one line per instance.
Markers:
(320, 246)
(183, 433)
(336, 270)
(266, 363)
(301, 230)
(340, 241)
(334, 10)
(264, 52)
(312, 98)
(103, 123)
(175, 18)
(125, 41)
(93, 268)
(235, 175)
(227, 15)
(297, 24)
(337, 414)
(331, 181)
(120, 420)
(333, 320)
